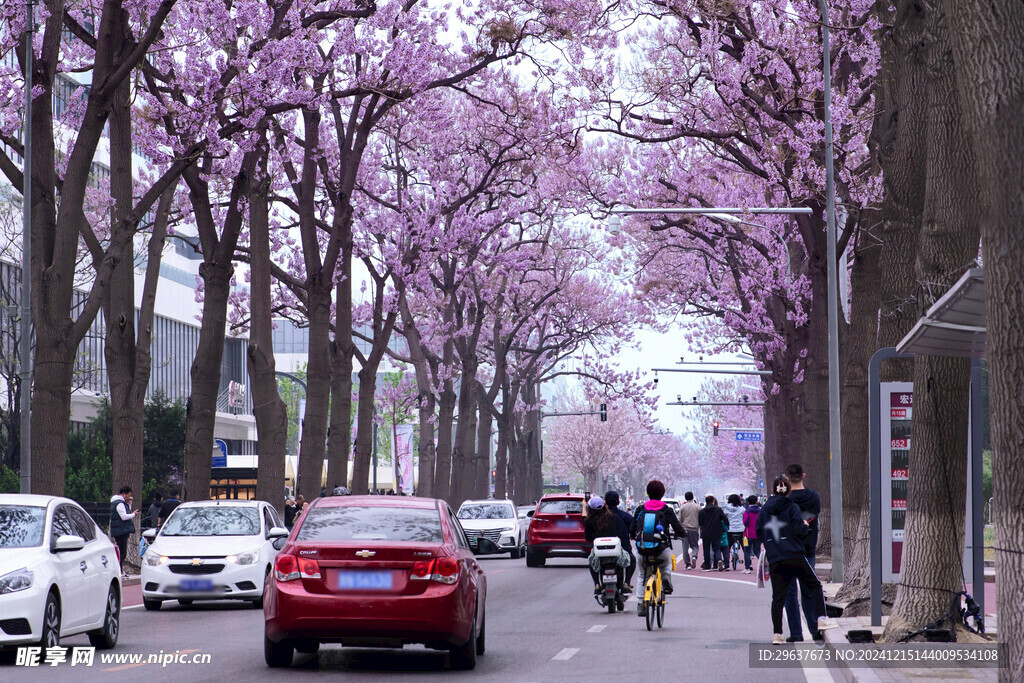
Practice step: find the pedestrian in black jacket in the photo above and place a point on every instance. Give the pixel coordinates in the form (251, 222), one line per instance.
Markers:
(612, 500)
(782, 530)
(713, 522)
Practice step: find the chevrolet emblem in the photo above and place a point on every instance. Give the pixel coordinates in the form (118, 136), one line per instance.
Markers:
(365, 553)
(196, 561)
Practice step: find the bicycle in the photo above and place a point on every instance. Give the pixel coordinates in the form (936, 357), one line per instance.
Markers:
(654, 596)
(735, 554)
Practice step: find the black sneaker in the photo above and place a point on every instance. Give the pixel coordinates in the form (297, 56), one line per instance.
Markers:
(667, 590)
(627, 589)
(818, 635)
(795, 639)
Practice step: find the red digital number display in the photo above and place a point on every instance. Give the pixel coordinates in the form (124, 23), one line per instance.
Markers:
(900, 443)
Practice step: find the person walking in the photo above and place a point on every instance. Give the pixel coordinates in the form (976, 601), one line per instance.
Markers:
(810, 507)
(689, 514)
(752, 549)
(152, 519)
(624, 526)
(122, 522)
(168, 507)
(782, 530)
(712, 523)
(734, 513)
(289, 513)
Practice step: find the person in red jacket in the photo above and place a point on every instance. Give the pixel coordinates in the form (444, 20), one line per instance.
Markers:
(753, 547)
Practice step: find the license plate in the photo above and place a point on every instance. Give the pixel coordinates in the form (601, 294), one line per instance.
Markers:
(610, 578)
(189, 585)
(568, 525)
(365, 580)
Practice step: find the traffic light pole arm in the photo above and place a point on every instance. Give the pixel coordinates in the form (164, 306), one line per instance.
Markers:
(715, 403)
(593, 412)
(715, 372)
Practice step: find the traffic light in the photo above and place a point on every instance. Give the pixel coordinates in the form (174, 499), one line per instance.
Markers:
(714, 426)
(604, 412)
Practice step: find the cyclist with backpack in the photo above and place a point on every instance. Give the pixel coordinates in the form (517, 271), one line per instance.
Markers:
(654, 519)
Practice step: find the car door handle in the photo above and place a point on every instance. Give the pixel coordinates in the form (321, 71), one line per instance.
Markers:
(83, 566)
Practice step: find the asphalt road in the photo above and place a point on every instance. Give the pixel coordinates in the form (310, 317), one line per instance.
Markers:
(542, 625)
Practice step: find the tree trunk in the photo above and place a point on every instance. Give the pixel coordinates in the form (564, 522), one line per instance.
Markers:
(986, 40)
(269, 410)
(362, 465)
(465, 434)
(481, 480)
(120, 351)
(534, 485)
(318, 390)
(931, 571)
(339, 436)
(445, 414)
(424, 398)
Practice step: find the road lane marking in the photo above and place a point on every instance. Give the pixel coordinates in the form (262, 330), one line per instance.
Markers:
(597, 629)
(124, 607)
(565, 654)
(715, 578)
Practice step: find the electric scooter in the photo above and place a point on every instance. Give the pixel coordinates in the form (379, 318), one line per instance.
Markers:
(608, 550)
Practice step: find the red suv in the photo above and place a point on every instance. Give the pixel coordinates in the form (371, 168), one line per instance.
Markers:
(376, 571)
(556, 529)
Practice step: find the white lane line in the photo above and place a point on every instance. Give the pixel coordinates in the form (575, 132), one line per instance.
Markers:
(597, 629)
(565, 655)
(715, 578)
(124, 607)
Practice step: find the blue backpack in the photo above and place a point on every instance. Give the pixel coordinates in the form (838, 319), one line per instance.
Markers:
(651, 538)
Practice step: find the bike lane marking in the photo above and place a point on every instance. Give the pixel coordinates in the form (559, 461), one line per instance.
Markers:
(565, 654)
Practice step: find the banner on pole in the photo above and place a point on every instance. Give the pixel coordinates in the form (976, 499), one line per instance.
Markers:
(403, 457)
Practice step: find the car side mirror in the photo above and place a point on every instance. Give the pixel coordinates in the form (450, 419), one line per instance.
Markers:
(522, 515)
(67, 543)
(278, 532)
(149, 535)
(530, 513)
(278, 543)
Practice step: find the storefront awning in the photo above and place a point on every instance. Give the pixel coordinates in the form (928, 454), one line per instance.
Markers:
(955, 324)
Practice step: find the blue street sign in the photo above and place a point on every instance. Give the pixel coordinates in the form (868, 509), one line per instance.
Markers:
(760, 483)
(748, 436)
(222, 459)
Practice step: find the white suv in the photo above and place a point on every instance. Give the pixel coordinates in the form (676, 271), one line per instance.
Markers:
(493, 526)
(59, 574)
(211, 550)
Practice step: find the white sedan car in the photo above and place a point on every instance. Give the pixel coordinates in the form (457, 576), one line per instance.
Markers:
(59, 574)
(496, 521)
(211, 550)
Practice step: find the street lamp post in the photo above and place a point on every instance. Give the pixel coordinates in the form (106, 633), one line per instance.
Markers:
(25, 380)
(835, 442)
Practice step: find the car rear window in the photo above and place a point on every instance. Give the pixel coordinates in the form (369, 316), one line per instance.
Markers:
(356, 523)
(21, 526)
(486, 511)
(561, 507)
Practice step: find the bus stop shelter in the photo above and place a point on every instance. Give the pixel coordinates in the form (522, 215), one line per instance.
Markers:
(954, 325)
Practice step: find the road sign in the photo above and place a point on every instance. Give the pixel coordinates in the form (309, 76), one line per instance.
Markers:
(748, 436)
(220, 458)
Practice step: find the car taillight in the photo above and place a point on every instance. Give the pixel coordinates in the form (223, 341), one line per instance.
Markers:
(421, 570)
(446, 570)
(442, 570)
(309, 569)
(286, 568)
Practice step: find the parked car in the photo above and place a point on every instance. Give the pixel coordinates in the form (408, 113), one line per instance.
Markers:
(556, 529)
(493, 526)
(376, 571)
(212, 550)
(59, 574)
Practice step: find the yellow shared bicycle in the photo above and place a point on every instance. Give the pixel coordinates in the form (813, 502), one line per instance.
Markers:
(654, 596)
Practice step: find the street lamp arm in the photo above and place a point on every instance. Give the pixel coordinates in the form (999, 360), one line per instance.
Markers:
(293, 378)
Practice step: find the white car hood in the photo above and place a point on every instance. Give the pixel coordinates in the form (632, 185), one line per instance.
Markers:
(481, 524)
(16, 558)
(205, 546)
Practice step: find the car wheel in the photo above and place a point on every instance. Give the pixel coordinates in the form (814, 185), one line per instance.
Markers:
(107, 637)
(151, 605)
(515, 553)
(534, 559)
(258, 603)
(50, 637)
(278, 655)
(184, 603)
(481, 642)
(463, 657)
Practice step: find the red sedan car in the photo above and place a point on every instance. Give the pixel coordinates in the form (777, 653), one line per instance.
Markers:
(376, 571)
(556, 529)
